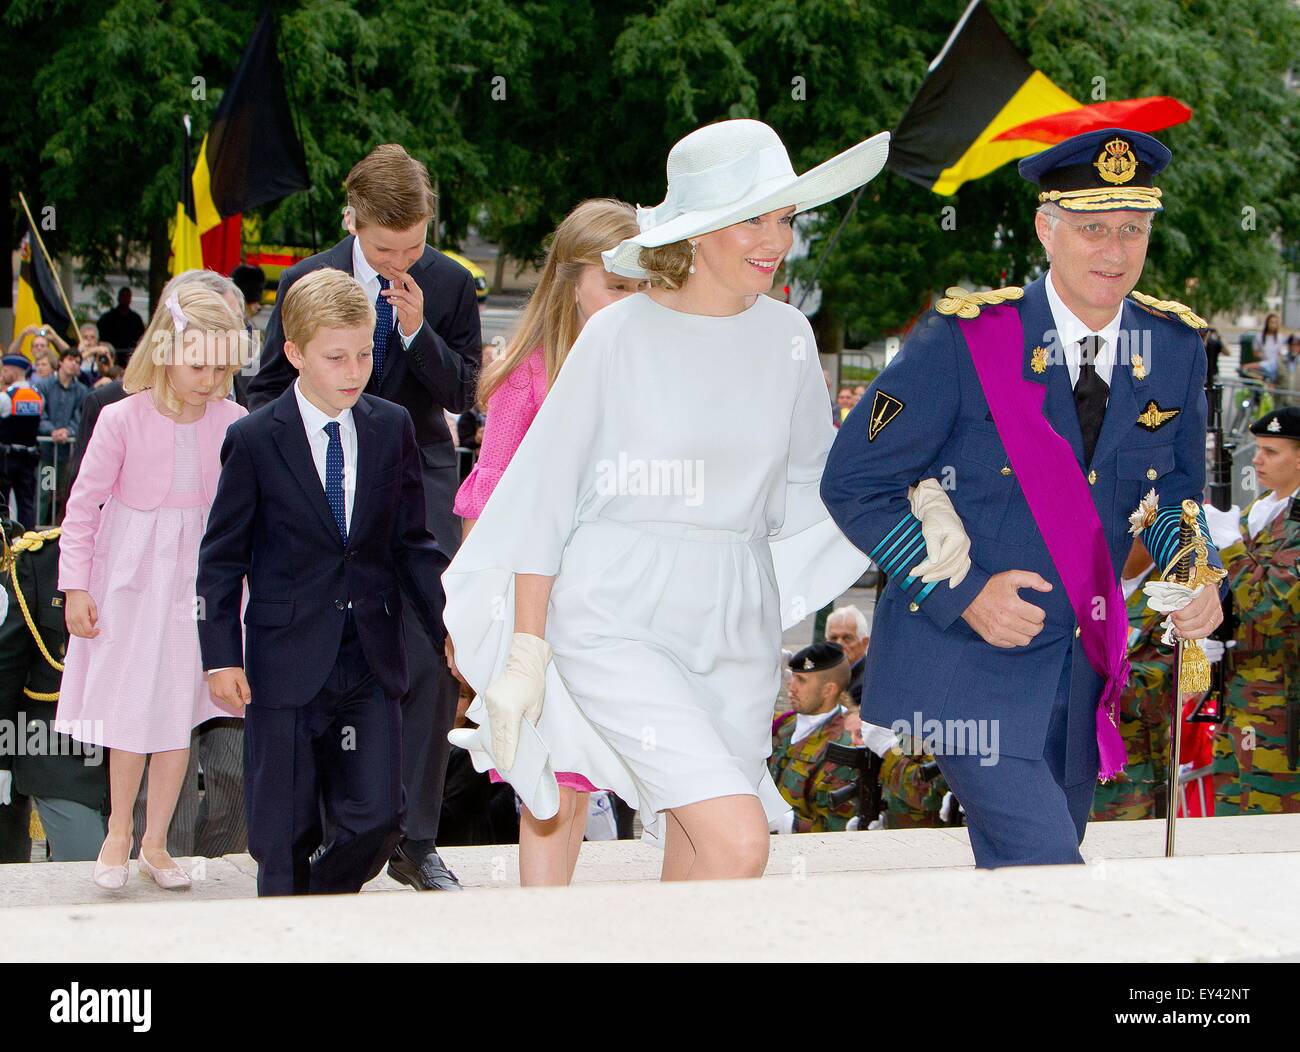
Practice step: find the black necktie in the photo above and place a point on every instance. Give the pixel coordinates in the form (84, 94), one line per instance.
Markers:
(1090, 392)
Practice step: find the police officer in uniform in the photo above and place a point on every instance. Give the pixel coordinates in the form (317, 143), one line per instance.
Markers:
(799, 739)
(1094, 394)
(1257, 753)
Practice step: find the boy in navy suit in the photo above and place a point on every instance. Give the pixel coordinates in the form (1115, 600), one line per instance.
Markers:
(320, 508)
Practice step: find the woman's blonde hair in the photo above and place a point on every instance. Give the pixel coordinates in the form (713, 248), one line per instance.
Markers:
(668, 265)
(551, 317)
(204, 313)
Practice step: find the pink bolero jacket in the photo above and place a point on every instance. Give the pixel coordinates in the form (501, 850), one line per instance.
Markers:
(129, 458)
(510, 412)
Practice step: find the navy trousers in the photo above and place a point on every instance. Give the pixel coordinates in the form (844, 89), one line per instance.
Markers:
(337, 758)
(1027, 812)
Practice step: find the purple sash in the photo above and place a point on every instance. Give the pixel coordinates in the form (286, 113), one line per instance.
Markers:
(1062, 506)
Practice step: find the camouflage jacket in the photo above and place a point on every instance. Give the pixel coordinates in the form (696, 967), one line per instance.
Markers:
(1264, 575)
(804, 777)
(1144, 718)
(909, 799)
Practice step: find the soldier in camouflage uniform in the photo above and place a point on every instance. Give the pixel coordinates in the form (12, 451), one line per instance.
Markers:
(909, 798)
(1253, 773)
(1144, 709)
(800, 736)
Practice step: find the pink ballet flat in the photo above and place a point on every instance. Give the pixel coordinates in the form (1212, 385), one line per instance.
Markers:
(171, 879)
(110, 878)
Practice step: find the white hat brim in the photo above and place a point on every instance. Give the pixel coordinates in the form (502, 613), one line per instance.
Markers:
(834, 178)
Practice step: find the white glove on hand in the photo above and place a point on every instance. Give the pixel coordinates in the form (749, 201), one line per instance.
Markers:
(6, 787)
(1164, 597)
(878, 739)
(1213, 648)
(517, 695)
(947, 546)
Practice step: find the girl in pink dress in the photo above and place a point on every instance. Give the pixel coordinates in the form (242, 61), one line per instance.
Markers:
(574, 285)
(133, 680)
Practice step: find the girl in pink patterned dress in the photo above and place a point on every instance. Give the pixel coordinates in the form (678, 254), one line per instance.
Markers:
(133, 680)
(574, 285)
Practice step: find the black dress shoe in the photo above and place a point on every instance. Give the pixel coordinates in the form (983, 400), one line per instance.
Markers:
(429, 873)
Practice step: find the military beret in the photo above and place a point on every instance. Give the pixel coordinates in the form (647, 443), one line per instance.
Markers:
(1280, 423)
(1108, 170)
(17, 359)
(817, 658)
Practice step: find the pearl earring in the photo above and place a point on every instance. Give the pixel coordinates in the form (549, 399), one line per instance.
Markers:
(691, 268)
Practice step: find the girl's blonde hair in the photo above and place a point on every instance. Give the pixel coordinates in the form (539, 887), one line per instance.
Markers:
(551, 317)
(205, 313)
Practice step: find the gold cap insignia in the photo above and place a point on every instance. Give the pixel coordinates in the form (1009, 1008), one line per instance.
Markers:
(1153, 417)
(884, 408)
(1117, 163)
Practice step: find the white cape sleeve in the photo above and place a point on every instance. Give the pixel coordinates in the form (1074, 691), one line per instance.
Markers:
(524, 528)
(814, 562)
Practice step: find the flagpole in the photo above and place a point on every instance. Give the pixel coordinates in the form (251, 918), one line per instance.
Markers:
(58, 282)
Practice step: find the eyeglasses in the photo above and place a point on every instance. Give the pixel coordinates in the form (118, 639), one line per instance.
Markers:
(1096, 233)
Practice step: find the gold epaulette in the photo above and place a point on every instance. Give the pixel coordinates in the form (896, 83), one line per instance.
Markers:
(967, 304)
(1181, 311)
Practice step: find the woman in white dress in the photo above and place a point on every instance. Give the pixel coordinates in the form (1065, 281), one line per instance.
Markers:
(660, 522)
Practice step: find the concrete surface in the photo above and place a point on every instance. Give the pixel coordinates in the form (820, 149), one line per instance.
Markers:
(903, 895)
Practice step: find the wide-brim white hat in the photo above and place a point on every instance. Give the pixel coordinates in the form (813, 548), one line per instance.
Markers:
(731, 171)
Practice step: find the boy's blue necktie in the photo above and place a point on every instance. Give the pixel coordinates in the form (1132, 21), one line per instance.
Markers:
(383, 330)
(334, 479)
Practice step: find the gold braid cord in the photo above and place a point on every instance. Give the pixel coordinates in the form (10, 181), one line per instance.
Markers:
(1194, 670)
(29, 542)
(967, 304)
(1181, 311)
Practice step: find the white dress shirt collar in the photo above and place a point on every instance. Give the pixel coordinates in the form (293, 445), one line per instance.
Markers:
(315, 419)
(1266, 509)
(805, 725)
(1070, 330)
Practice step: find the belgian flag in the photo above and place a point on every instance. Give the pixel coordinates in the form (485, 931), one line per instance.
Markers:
(187, 251)
(40, 296)
(982, 104)
(251, 155)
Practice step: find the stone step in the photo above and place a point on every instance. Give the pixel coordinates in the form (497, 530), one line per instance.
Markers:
(891, 895)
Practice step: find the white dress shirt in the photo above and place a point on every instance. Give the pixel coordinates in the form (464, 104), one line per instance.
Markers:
(369, 278)
(805, 725)
(1070, 330)
(1266, 509)
(314, 421)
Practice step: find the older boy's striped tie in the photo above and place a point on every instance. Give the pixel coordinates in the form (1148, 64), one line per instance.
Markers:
(334, 479)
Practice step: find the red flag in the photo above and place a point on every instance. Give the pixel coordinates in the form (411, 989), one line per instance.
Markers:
(1150, 114)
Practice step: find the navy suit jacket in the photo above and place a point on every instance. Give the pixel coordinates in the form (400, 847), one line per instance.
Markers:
(923, 657)
(271, 524)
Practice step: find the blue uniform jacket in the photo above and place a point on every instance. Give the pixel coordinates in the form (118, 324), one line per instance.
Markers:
(924, 659)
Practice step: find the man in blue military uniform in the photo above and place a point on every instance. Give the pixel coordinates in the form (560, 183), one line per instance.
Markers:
(1093, 396)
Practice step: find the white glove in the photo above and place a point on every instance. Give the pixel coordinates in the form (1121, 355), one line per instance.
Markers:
(1213, 648)
(516, 695)
(783, 825)
(1164, 597)
(878, 739)
(947, 546)
(6, 787)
